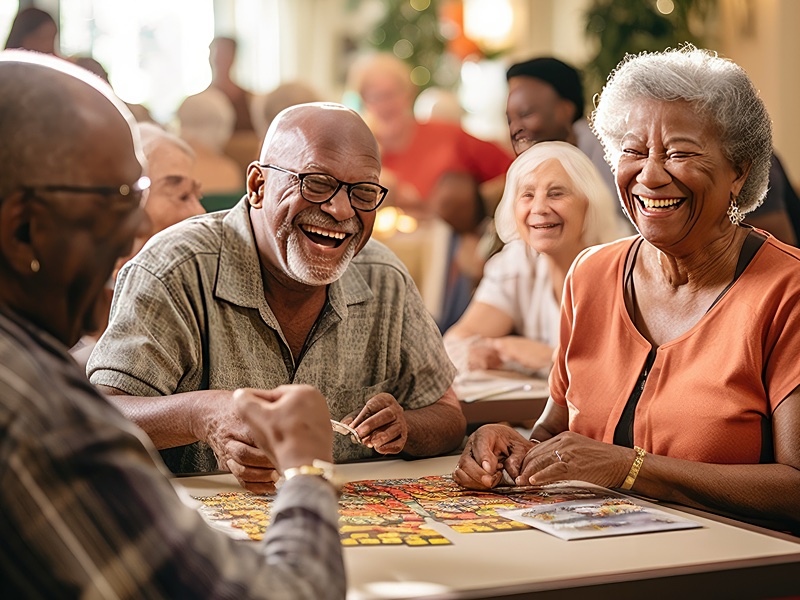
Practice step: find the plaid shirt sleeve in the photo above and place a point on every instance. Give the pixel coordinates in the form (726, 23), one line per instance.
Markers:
(87, 511)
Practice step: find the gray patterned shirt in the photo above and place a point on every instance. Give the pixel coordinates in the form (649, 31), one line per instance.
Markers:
(86, 510)
(189, 314)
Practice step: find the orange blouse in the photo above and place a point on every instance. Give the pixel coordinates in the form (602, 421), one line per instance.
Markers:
(711, 392)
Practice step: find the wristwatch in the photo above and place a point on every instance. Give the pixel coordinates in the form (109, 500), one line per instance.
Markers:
(318, 468)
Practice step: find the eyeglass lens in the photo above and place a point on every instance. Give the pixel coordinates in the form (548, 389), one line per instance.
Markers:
(321, 188)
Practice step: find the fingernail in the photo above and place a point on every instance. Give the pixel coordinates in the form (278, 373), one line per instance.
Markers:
(485, 465)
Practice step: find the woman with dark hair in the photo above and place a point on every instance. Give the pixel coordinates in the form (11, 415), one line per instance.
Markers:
(33, 29)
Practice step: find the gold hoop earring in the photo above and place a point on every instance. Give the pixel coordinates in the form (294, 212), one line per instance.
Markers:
(35, 266)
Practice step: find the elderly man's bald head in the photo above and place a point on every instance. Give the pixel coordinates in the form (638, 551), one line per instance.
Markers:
(70, 192)
(46, 105)
(316, 123)
(312, 241)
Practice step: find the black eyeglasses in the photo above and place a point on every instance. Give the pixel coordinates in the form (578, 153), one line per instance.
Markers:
(320, 188)
(136, 192)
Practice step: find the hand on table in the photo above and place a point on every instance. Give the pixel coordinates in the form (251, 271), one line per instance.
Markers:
(233, 445)
(523, 351)
(290, 424)
(381, 424)
(488, 452)
(483, 355)
(572, 456)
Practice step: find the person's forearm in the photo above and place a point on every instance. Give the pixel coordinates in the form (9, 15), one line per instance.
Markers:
(170, 421)
(767, 493)
(303, 540)
(435, 429)
(456, 343)
(554, 420)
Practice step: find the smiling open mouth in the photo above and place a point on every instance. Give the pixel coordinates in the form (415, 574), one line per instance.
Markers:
(545, 226)
(324, 237)
(660, 203)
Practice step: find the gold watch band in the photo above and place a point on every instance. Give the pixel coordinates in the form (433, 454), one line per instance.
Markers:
(318, 468)
(303, 470)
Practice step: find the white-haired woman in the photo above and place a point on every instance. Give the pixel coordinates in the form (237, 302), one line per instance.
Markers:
(554, 205)
(677, 370)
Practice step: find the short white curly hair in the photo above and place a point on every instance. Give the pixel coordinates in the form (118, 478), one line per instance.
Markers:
(718, 88)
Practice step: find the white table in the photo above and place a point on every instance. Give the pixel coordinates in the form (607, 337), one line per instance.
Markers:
(723, 559)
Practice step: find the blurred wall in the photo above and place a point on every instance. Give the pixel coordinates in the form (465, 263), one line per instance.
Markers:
(552, 28)
(762, 36)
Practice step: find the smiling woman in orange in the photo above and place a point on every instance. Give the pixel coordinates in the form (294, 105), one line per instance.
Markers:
(676, 374)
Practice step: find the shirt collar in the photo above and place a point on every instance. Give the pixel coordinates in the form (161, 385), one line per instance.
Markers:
(239, 277)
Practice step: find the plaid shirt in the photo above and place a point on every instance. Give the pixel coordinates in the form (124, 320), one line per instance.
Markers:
(86, 510)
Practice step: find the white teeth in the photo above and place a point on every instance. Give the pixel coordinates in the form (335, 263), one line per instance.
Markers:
(548, 226)
(659, 203)
(337, 235)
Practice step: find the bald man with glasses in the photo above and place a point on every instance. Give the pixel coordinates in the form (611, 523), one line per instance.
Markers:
(286, 287)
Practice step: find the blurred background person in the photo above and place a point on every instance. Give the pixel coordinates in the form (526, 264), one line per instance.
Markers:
(33, 29)
(243, 143)
(267, 106)
(433, 169)
(416, 155)
(175, 191)
(438, 104)
(206, 122)
(780, 212)
(174, 195)
(221, 58)
(89, 63)
(554, 205)
(546, 104)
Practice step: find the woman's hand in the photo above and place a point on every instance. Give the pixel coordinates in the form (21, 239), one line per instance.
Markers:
(572, 456)
(488, 452)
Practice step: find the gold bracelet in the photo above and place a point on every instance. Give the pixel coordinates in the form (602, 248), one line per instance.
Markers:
(637, 464)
